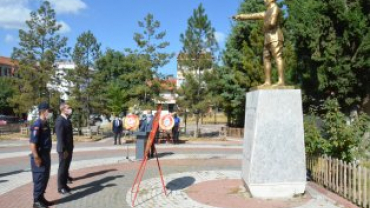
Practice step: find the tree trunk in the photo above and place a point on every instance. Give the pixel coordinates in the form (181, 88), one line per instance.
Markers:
(196, 133)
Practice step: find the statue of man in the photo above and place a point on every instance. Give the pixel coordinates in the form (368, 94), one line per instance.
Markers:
(274, 39)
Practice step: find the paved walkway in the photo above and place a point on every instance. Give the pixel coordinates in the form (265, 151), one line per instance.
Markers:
(106, 182)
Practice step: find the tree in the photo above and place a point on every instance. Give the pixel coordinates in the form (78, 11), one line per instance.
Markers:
(85, 53)
(6, 92)
(150, 45)
(132, 74)
(126, 80)
(40, 46)
(332, 41)
(199, 46)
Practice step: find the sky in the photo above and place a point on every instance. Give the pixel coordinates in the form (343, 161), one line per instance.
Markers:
(114, 22)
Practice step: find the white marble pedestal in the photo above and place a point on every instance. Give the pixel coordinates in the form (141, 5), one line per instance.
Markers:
(273, 153)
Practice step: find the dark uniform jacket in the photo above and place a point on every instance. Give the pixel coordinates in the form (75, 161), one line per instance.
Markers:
(41, 136)
(64, 131)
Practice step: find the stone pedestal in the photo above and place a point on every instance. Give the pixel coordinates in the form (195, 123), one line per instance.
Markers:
(273, 154)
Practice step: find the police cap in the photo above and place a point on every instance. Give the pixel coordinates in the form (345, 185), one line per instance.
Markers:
(44, 106)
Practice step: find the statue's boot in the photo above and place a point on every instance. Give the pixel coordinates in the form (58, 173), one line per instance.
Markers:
(279, 84)
(265, 85)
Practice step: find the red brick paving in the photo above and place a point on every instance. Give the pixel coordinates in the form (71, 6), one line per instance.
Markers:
(22, 196)
(226, 193)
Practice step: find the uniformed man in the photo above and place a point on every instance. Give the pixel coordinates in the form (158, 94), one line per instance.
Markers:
(40, 143)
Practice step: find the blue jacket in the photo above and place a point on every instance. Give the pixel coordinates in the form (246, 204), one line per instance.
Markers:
(41, 136)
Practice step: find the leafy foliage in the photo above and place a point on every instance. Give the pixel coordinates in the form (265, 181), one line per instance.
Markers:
(85, 53)
(40, 46)
(6, 92)
(338, 137)
(332, 41)
(199, 45)
(132, 77)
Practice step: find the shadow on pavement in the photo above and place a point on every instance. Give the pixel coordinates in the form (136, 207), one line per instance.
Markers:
(164, 154)
(2, 181)
(93, 174)
(89, 189)
(180, 183)
(11, 173)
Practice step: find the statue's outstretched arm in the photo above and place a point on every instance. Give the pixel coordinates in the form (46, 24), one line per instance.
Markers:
(254, 16)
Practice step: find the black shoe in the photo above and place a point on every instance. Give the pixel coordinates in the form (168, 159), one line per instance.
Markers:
(69, 180)
(39, 204)
(64, 191)
(46, 202)
(68, 188)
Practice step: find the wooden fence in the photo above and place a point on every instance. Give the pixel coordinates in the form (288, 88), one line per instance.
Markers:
(232, 132)
(11, 128)
(349, 180)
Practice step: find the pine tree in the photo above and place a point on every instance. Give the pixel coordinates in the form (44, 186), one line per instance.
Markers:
(85, 53)
(332, 41)
(151, 46)
(6, 92)
(243, 62)
(199, 46)
(39, 48)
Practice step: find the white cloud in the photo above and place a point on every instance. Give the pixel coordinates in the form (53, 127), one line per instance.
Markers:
(220, 37)
(68, 6)
(9, 38)
(65, 27)
(13, 13)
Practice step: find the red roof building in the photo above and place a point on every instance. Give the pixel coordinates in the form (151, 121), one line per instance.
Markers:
(7, 66)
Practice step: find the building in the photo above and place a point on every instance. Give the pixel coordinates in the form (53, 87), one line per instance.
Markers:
(61, 84)
(168, 94)
(183, 66)
(7, 66)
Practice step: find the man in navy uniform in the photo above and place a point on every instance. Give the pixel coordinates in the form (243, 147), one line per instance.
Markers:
(64, 131)
(40, 143)
(117, 128)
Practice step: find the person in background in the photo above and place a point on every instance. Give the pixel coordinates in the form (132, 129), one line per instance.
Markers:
(117, 128)
(64, 131)
(40, 144)
(176, 128)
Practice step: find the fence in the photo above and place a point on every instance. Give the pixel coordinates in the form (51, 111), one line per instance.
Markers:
(349, 180)
(11, 128)
(232, 132)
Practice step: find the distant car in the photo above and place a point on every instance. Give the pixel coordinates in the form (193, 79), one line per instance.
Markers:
(3, 123)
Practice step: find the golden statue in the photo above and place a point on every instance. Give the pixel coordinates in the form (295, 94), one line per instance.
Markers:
(274, 40)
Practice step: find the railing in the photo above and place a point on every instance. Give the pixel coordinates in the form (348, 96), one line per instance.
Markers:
(232, 132)
(349, 180)
(11, 128)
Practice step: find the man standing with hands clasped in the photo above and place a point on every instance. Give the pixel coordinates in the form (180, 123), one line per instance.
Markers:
(117, 129)
(64, 131)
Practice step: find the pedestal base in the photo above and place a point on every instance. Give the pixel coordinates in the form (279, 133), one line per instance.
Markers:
(270, 191)
(273, 154)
